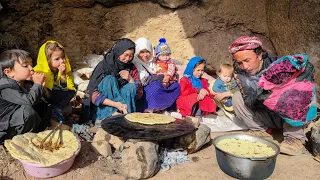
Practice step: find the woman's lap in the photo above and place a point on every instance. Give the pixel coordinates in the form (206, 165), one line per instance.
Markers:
(156, 96)
(110, 89)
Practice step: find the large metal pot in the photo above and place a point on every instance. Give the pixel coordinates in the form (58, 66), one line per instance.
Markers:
(244, 167)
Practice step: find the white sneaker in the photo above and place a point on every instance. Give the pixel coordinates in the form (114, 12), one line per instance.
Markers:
(176, 115)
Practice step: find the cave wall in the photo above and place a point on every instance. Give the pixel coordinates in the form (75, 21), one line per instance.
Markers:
(192, 27)
(294, 27)
(84, 27)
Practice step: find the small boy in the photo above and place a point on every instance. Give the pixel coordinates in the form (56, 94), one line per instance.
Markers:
(225, 83)
(164, 63)
(17, 113)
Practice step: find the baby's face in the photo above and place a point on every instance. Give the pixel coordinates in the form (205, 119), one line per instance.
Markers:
(164, 57)
(225, 76)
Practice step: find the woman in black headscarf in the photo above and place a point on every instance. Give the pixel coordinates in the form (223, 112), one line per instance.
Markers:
(114, 85)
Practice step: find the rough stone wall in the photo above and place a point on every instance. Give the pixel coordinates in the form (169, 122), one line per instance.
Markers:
(85, 27)
(192, 27)
(294, 27)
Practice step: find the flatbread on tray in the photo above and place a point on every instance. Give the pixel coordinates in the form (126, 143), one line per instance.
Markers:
(149, 118)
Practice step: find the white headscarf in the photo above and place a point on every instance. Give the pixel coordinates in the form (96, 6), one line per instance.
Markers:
(144, 68)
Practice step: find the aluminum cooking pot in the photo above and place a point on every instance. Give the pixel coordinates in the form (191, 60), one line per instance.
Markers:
(245, 167)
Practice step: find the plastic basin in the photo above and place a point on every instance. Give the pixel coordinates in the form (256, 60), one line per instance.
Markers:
(40, 171)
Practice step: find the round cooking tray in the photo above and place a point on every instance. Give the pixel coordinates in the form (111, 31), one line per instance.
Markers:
(119, 126)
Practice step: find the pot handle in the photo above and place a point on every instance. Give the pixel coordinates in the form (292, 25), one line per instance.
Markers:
(258, 159)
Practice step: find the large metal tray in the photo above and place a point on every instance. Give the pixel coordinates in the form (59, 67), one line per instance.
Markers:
(119, 126)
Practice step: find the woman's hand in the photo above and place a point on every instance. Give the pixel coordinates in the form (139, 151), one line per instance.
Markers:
(202, 94)
(121, 107)
(124, 74)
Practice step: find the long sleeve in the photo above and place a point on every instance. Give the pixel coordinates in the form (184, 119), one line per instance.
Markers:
(171, 69)
(97, 98)
(186, 87)
(31, 98)
(148, 79)
(218, 86)
(205, 84)
(134, 74)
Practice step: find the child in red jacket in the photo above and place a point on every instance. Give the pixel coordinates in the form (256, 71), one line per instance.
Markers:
(194, 89)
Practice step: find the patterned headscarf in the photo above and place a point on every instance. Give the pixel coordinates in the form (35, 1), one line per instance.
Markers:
(196, 82)
(245, 43)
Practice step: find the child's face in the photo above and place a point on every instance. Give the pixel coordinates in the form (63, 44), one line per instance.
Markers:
(225, 76)
(127, 56)
(144, 55)
(198, 71)
(164, 57)
(57, 58)
(21, 71)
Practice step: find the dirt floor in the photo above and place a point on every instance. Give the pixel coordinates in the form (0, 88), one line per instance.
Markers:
(201, 165)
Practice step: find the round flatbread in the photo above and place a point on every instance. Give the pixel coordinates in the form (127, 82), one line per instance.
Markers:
(27, 147)
(149, 118)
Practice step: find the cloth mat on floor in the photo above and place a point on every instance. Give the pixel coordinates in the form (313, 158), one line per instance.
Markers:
(223, 122)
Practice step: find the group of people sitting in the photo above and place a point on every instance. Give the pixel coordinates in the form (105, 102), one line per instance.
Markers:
(262, 91)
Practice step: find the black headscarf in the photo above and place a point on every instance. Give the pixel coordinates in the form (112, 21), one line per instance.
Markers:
(110, 65)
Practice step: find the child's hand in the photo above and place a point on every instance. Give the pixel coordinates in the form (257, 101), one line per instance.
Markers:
(38, 78)
(202, 94)
(221, 96)
(166, 79)
(44, 82)
(62, 69)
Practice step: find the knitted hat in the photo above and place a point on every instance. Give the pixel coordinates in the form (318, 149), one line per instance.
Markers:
(162, 47)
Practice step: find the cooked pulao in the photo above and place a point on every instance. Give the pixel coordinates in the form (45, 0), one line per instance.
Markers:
(27, 147)
(246, 148)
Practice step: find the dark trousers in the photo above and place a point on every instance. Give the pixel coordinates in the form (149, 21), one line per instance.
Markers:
(61, 98)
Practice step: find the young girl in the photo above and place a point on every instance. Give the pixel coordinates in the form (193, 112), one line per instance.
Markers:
(194, 89)
(225, 83)
(54, 63)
